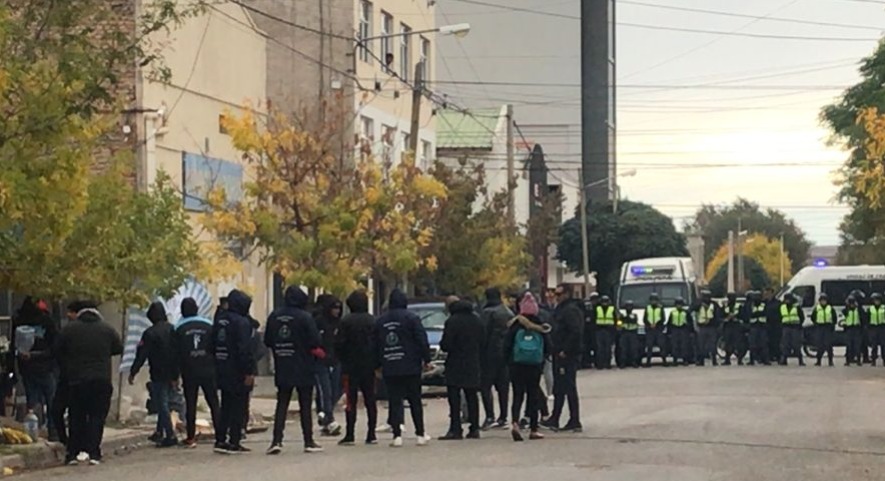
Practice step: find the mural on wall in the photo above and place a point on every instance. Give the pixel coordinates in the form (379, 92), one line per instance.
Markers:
(138, 321)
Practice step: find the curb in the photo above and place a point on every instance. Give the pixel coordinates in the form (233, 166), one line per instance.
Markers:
(50, 456)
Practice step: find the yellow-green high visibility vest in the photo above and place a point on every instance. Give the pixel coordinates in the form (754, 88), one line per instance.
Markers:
(705, 314)
(852, 318)
(631, 323)
(877, 315)
(758, 315)
(823, 314)
(678, 318)
(733, 310)
(605, 316)
(789, 315)
(653, 315)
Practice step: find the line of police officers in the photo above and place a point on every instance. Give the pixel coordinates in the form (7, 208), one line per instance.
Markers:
(762, 326)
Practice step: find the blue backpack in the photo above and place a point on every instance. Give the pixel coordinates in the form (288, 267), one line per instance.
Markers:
(528, 348)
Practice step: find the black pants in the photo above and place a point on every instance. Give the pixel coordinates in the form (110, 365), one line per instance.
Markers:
(735, 344)
(565, 387)
(791, 343)
(89, 405)
(192, 387)
(230, 423)
(759, 343)
(630, 350)
(655, 338)
(495, 375)
(589, 342)
(526, 387)
(57, 411)
(284, 397)
(472, 397)
(877, 342)
(708, 336)
(865, 343)
(824, 341)
(774, 340)
(399, 389)
(679, 343)
(605, 336)
(853, 338)
(353, 385)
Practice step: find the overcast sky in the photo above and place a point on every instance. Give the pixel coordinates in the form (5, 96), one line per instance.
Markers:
(679, 139)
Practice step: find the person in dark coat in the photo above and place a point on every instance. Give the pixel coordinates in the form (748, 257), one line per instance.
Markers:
(566, 338)
(355, 346)
(292, 336)
(528, 344)
(234, 365)
(196, 361)
(328, 370)
(773, 322)
(462, 341)
(84, 349)
(495, 316)
(61, 402)
(403, 352)
(37, 364)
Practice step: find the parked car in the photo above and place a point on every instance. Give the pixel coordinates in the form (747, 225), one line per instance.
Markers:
(433, 317)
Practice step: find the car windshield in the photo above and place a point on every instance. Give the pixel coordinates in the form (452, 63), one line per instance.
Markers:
(639, 293)
(432, 317)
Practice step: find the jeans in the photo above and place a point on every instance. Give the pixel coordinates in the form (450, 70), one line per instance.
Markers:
(495, 376)
(400, 388)
(325, 394)
(526, 387)
(284, 397)
(89, 403)
(353, 385)
(230, 428)
(160, 393)
(40, 391)
(454, 395)
(191, 391)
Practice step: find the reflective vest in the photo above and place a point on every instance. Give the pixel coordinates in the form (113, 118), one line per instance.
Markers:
(678, 318)
(758, 315)
(631, 322)
(653, 315)
(705, 314)
(789, 315)
(823, 314)
(605, 316)
(852, 318)
(877, 315)
(734, 310)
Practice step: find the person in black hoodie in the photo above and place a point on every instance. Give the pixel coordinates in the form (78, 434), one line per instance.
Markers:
(328, 370)
(157, 347)
(292, 336)
(495, 316)
(462, 340)
(196, 361)
(566, 337)
(234, 365)
(37, 365)
(403, 351)
(355, 346)
(84, 349)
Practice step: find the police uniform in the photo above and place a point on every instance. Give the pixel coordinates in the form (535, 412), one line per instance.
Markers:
(758, 333)
(791, 317)
(733, 332)
(605, 317)
(629, 340)
(678, 327)
(654, 333)
(708, 332)
(852, 321)
(877, 332)
(824, 319)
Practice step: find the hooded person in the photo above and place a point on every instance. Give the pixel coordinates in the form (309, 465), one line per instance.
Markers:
(84, 349)
(157, 347)
(355, 346)
(328, 370)
(403, 350)
(495, 316)
(292, 336)
(36, 364)
(566, 338)
(462, 341)
(234, 366)
(196, 362)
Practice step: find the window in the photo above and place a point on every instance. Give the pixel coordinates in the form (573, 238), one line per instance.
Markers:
(388, 136)
(426, 153)
(386, 41)
(424, 59)
(202, 174)
(405, 48)
(806, 295)
(839, 290)
(367, 129)
(407, 139)
(365, 29)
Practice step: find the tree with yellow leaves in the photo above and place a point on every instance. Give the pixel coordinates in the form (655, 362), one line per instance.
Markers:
(766, 252)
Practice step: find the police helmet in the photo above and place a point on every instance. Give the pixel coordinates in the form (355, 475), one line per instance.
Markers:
(823, 297)
(876, 296)
(680, 301)
(628, 304)
(654, 297)
(593, 296)
(790, 299)
(605, 299)
(706, 294)
(850, 299)
(731, 296)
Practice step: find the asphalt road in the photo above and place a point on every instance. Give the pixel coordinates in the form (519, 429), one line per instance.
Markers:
(686, 424)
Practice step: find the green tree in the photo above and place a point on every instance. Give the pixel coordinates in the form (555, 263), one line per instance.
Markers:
(757, 278)
(636, 231)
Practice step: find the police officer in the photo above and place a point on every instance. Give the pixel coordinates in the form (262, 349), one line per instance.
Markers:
(654, 329)
(791, 317)
(708, 318)
(629, 339)
(877, 328)
(852, 321)
(758, 329)
(589, 358)
(678, 327)
(733, 329)
(824, 318)
(605, 317)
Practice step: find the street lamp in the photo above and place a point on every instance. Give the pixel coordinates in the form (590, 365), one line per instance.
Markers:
(585, 249)
(459, 30)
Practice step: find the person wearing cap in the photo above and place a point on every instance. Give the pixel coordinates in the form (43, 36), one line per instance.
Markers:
(566, 339)
(678, 326)
(733, 329)
(589, 358)
(824, 318)
(708, 318)
(629, 338)
(605, 318)
(876, 316)
(791, 318)
(852, 322)
(655, 322)
(758, 329)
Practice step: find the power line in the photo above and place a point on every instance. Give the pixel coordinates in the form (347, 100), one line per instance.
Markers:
(645, 86)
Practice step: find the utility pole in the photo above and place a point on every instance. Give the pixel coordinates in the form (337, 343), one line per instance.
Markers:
(740, 255)
(417, 92)
(511, 201)
(782, 259)
(585, 248)
(598, 92)
(731, 261)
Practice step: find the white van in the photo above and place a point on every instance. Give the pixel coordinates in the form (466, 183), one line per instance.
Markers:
(668, 277)
(836, 281)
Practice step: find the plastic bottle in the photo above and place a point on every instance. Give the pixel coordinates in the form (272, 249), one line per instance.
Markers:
(32, 425)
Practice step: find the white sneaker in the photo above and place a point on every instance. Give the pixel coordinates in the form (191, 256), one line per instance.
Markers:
(423, 440)
(334, 428)
(83, 457)
(397, 442)
(94, 462)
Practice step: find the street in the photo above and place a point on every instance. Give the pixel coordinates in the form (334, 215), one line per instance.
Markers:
(727, 423)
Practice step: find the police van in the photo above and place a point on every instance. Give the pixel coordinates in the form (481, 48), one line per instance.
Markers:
(668, 277)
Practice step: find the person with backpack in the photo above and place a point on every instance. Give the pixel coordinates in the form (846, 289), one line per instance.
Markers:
(528, 344)
(355, 345)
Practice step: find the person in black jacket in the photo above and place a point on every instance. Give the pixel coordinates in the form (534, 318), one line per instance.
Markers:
(526, 361)
(403, 351)
(292, 336)
(37, 365)
(495, 316)
(355, 346)
(158, 348)
(84, 349)
(462, 340)
(566, 338)
(328, 370)
(196, 361)
(234, 365)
